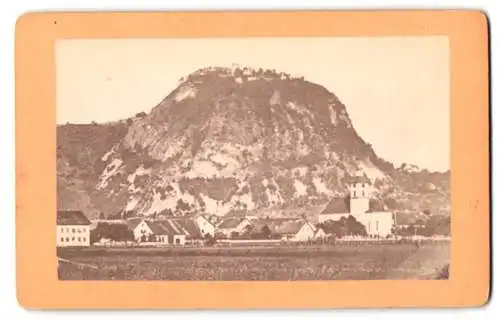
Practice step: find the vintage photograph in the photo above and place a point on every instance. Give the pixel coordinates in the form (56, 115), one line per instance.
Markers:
(259, 159)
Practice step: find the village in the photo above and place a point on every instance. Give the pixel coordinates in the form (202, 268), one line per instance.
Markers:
(356, 217)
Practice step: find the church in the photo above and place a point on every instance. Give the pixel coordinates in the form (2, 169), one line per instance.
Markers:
(368, 211)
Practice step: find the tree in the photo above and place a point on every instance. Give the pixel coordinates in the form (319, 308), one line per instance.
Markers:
(354, 227)
(220, 235)
(101, 216)
(112, 231)
(209, 240)
(235, 234)
(265, 232)
(247, 231)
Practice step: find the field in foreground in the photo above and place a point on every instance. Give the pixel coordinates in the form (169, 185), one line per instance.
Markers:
(364, 262)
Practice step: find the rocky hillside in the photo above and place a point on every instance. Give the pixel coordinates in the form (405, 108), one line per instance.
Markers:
(228, 141)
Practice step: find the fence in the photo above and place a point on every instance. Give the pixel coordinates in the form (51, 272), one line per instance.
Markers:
(279, 242)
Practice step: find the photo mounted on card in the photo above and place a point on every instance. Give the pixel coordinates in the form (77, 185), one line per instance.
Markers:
(252, 160)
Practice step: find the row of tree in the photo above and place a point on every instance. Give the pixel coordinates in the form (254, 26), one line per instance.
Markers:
(111, 231)
(344, 227)
(434, 225)
(250, 233)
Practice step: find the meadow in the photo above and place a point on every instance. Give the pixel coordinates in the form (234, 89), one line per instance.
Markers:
(345, 262)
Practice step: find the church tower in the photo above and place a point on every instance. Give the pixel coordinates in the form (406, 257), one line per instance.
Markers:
(360, 194)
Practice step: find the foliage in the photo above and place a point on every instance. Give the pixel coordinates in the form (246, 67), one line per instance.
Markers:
(220, 235)
(344, 226)
(435, 225)
(209, 240)
(112, 231)
(234, 234)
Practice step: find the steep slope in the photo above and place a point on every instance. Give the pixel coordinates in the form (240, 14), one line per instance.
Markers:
(229, 140)
(80, 148)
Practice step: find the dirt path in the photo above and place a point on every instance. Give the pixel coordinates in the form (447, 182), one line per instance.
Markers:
(426, 263)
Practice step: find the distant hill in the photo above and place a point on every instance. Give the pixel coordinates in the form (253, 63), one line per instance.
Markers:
(228, 141)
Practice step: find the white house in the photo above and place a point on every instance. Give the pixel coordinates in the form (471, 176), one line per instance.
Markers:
(305, 231)
(290, 229)
(73, 229)
(205, 226)
(176, 231)
(369, 212)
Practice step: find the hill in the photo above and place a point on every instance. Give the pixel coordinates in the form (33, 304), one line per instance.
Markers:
(228, 141)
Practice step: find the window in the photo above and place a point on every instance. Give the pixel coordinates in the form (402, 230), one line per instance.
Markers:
(178, 241)
(78, 230)
(84, 239)
(73, 239)
(62, 230)
(73, 230)
(79, 239)
(62, 239)
(67, 239)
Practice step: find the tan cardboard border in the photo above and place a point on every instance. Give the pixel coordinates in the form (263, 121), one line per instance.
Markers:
(37, 284)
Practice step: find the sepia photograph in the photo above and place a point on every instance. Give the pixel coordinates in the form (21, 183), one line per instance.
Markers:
(253, 159)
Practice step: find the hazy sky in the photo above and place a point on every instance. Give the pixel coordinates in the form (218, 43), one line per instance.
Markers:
(396, 89)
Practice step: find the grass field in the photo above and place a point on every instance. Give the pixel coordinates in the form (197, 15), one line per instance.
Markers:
(368, 261)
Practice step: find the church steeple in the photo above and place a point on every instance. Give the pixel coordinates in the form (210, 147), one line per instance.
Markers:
(360, 186)
(360, 193)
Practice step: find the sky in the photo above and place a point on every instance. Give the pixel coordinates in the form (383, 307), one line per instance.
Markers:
(395, 89)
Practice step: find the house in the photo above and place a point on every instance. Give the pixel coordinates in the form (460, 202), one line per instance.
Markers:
(205, 225)
(372, 213)
(133, 222)
(232, 225)
(177, 231)
(290, 229)
(73, 229)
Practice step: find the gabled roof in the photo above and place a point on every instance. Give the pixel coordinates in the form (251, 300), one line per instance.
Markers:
(211, 219)
(337, 205)
(72, 217)
(280, 225)
(230, 223)
(133, 223)
(342, 205)
(376, 206)
(290, 227)
(185, 227)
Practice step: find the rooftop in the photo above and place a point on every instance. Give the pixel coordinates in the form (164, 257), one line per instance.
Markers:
(71, 218)
(341, 205)
(185, 227)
